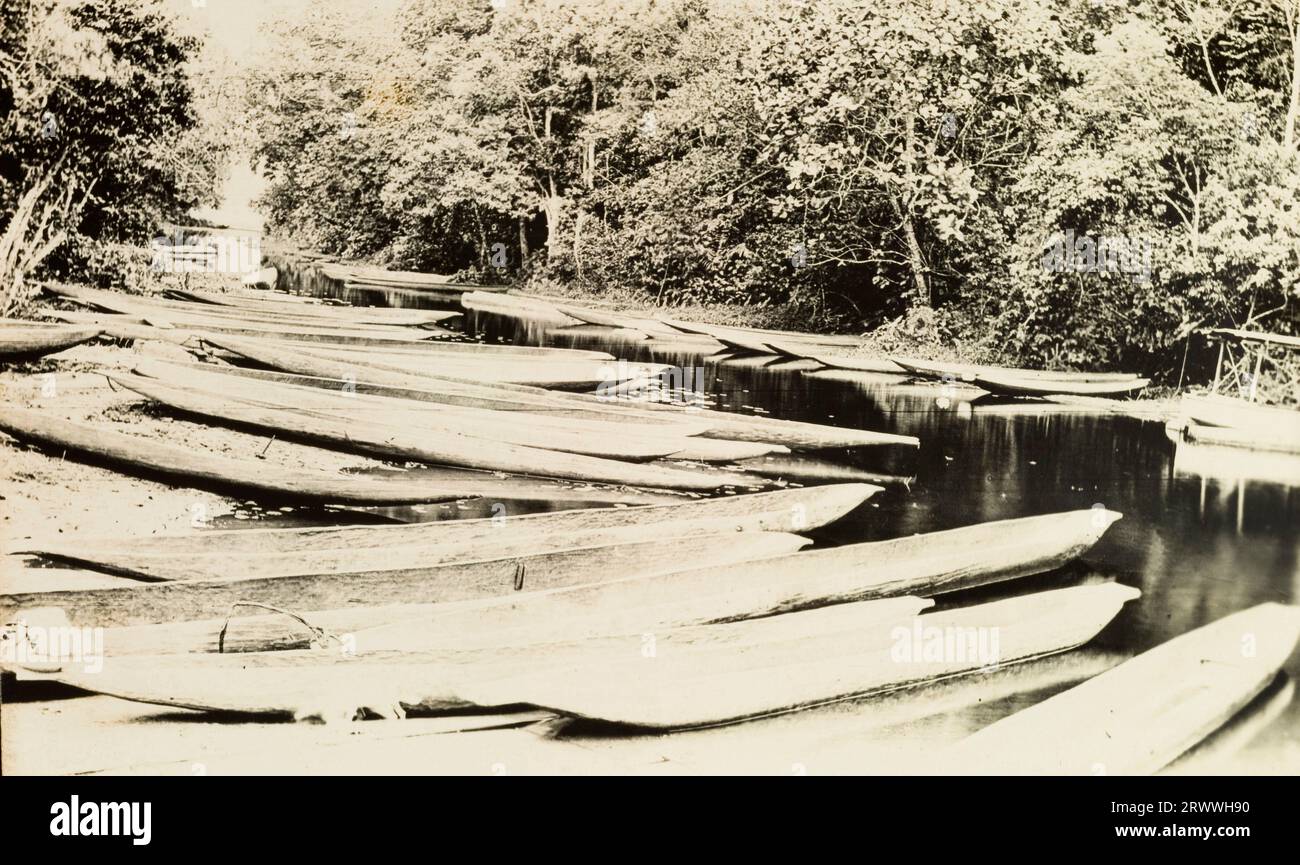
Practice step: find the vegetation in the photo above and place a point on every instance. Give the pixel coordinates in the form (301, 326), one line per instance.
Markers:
(99, 135)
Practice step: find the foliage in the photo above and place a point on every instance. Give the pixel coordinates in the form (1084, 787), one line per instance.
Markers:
(98, 104)
(864, 162)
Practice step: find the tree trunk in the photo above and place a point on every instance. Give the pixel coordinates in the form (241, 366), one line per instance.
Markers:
(1293, 101)
(903, 210)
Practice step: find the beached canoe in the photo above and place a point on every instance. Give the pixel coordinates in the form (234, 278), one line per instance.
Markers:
(1268, 421)
(656, 594)
(299, 321)
(26, 340)
(366, 437)
(1138, 717)
(923, 566)
(759, 337)
(449, 574)
(793, 510)
(796, 435)
(1018, 386)
(223, 397)
(555, 373)
(699, 676)
(191, 467)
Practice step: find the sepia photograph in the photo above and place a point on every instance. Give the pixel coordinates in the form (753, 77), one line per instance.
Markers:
(705, 388)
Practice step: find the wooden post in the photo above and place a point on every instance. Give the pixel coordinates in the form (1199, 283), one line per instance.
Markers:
(1218, 366)
(1254, 378)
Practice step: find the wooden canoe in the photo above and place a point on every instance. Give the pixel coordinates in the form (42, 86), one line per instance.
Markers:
(761, 336)
(712, 590)
(968, 372)
(1017, 386)
(647, 327)
(857, 364)
(429, 445)
(26, 340)
(222, 397)
(693, 677)
(1270, 421)
(458, 577)
(190, 467)
(380, 276)
(429, 348)
(555, 373)
(1138, 717)
(1247, 439)
(923, 566)
(792, 510)
(293, 324)
(796, 435)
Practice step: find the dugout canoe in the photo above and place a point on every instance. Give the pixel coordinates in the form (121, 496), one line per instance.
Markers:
(856, 363)
(1233, 437)
(761, 336)
(968, 372)
(191, 467)
(923, 566)
(1269, 421)
(450, 574)
(428, 445)
(702, 591)
(796, 435)
(296, 323)
(240, 400)
(699, 676)
(25, 340)
(554, 373)
(1021, 386)
(647, 327)
(1138, 717)
(380, 276)
(792, 510)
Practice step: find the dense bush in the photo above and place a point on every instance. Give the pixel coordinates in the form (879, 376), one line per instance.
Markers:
(857, 161)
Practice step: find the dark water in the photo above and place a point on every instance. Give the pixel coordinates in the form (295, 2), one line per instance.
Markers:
(1205, 532)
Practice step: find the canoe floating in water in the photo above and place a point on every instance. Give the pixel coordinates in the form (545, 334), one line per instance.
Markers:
(26, 340)
(1233, 437)
(698, 676)
(1139, 716)
(793, 510)
(191, 467)
(1267, 421)
(856, 363)
(1047, 387)
(968, 372)
(450, 575)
